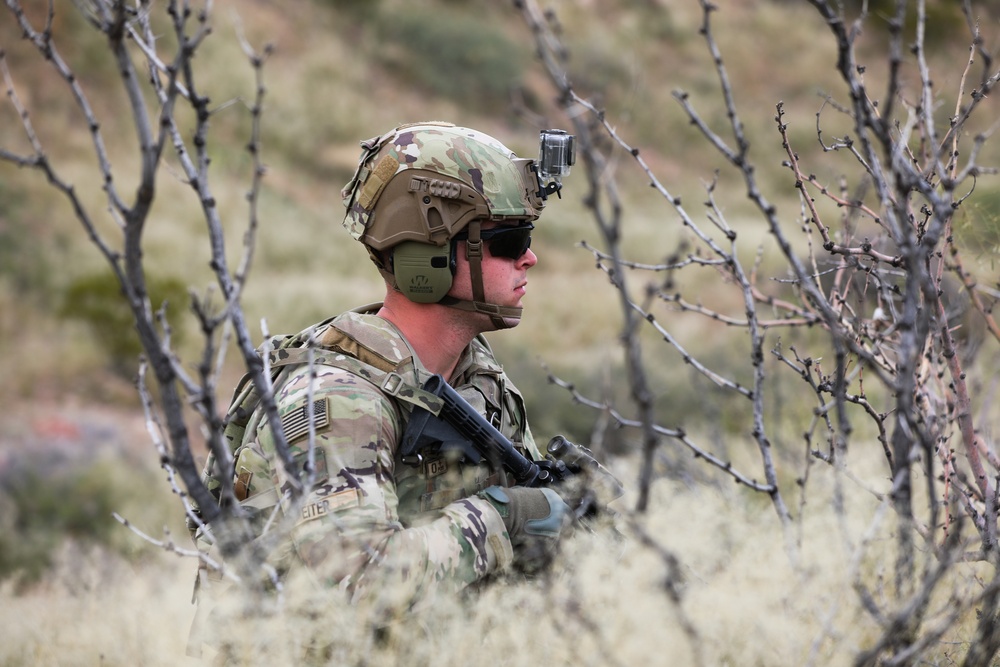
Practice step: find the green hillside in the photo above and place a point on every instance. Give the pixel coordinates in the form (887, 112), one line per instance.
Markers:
(343, 71)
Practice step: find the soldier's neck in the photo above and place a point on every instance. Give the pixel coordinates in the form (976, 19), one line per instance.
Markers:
(438, 334)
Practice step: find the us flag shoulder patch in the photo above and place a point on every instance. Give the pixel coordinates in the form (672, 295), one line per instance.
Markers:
(296, 422)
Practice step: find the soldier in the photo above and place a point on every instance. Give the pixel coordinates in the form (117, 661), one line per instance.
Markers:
(446, 215)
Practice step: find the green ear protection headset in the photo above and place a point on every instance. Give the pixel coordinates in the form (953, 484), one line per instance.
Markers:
(423, 272)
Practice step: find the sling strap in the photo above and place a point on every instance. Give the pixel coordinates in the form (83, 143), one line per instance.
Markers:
(334, 348)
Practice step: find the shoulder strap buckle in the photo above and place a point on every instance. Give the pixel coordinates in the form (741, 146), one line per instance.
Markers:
(392, 383)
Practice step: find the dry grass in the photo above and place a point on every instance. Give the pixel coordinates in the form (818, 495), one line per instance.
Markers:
(98, 612)
(742, 599)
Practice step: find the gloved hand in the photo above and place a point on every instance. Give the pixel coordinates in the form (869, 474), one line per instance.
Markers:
(534, 518)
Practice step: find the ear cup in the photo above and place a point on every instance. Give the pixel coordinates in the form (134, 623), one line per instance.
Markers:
(423, 272)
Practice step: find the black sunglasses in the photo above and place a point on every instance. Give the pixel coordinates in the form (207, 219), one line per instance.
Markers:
(508, 242)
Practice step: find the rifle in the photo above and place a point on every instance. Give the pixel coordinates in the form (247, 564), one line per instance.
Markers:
(459, 428)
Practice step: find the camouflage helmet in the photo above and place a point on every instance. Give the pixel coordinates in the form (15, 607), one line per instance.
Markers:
(425, 182)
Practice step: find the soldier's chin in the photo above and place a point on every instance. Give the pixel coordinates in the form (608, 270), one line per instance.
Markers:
(511, 322)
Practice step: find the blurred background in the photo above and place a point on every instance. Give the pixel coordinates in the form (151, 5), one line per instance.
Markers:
(73, 442)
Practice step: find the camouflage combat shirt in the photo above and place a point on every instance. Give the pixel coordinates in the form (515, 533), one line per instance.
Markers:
(372, 522)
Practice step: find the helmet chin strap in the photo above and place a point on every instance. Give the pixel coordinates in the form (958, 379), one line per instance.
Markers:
(500, 316)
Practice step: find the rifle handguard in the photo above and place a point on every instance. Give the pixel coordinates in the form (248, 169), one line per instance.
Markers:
(578, 461)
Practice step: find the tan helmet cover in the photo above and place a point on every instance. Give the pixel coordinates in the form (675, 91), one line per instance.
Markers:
(425, 182)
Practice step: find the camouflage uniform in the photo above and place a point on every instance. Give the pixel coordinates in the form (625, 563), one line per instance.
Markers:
(371, 520)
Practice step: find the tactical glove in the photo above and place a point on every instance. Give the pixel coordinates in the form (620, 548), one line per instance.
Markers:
(534, 518)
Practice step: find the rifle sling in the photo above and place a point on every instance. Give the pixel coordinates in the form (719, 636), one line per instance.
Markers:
(389, 381)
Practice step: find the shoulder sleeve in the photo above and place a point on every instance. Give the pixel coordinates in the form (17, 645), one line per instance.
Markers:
(347, 530)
